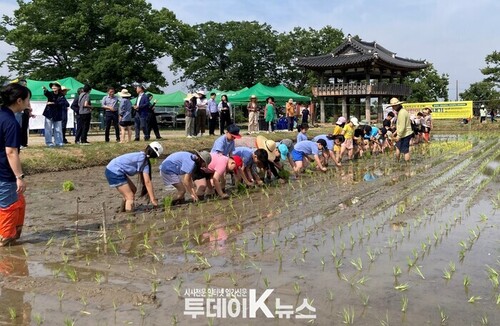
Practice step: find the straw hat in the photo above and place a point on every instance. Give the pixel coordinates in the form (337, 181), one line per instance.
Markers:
(253, 97)
(267, 144)
(65, 89)
(55, 84)
(124, 93)
(395, 101)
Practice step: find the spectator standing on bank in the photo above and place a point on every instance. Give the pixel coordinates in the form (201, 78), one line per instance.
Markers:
(84, 116)
(110, 104)
(305, 115)
(64, 121)
(213, 114)
(225, 113)
(253, 115)
(190, 109)
(15, 98)
(152, 123)
(404, 132)
(290, 114)
(270, 114)
(125, 116)
(201, 113)
(53, 115)
(492, 115)
(142, 112)
(482, 113)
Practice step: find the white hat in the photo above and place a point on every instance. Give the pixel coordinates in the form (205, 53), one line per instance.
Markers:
(482, 105)
(200, 92)
(354, 121)
(124, 93)
(156, 146)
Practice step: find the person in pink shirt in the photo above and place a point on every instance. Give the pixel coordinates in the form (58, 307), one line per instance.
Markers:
(215, 173)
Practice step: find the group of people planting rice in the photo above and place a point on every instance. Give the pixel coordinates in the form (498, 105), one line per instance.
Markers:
(253, 160)
(249, 160)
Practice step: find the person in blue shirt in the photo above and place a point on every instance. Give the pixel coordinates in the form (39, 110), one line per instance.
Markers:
(178, 169)
(125, 116)
(302, 135)
(225, 143)
(302, 150)
(121, 168)
(252, 158)
(371, 138)
(328, 151)
(15, 98)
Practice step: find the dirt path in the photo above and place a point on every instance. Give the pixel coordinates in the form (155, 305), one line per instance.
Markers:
(331, 239)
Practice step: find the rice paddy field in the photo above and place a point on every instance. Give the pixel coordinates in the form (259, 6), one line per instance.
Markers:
(374, 242)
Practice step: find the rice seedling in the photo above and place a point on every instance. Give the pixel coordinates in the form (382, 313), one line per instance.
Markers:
(358, 264)
(38, 319)
(447, 274)
(338, 263)
(386, 321)
(473, 299)
(396, 271)
(296, 288)
(330, 295)
(363, 280)
(322, 264)
(266, 282)
(402, 287)
(348, 316)
(419, 272)
(69, 322)
(444, 317)
(492, 276)
(177, 288)
(364, 299)
(497, 298)
(484, 320)
(466, 281)
(404, 303)
(71, 273)
(12, 313)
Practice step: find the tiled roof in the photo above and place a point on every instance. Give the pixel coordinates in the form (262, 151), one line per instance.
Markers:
(355, 53)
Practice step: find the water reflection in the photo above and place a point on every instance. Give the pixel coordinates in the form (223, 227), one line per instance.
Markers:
(13, 309)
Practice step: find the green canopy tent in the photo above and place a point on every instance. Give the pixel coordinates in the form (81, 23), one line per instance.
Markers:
(168, 100)
(36, 88)
(229, 94)
(280, 93)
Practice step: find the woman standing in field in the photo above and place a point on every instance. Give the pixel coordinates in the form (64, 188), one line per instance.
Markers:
(120, 169)
(253, 115)
(125, 116)
(15, 98)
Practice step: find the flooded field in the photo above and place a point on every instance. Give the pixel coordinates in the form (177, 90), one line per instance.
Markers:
(372, 243)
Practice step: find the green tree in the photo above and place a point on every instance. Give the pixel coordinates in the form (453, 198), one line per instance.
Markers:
(427, 85)
(100, 42)
(228, 55)
(302, 42)
(482, 91)
(492, 70)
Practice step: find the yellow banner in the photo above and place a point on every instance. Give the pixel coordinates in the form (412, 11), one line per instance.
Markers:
(443, 110)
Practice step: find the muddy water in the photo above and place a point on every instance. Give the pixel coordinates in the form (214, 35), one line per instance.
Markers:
(331, 239)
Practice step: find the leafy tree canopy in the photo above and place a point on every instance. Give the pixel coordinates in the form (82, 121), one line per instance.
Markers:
(99, 42)
(492, 70)
(427, 85)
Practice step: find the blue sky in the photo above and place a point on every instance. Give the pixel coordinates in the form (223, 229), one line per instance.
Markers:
(454, 35)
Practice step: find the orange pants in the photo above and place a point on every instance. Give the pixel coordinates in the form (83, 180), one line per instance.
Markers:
(12, 219)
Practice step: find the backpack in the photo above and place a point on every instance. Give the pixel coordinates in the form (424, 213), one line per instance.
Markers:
(75, 106)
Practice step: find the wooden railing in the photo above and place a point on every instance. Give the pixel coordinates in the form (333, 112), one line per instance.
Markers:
(359, 89)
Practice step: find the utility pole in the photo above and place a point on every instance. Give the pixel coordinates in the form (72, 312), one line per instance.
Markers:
(456, 99)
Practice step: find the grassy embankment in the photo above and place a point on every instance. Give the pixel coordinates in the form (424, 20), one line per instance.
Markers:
(38, 159)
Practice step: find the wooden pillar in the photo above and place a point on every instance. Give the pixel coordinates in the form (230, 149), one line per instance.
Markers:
(336, 111)
(357, 107)
(380, 109)
(322, 109)
(368, 112)
(344, 107)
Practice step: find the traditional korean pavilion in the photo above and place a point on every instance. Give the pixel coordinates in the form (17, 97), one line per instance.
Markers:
(357, 70)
